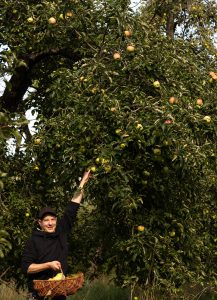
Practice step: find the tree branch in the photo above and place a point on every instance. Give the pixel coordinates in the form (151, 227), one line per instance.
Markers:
(170, 26)
(21, 80)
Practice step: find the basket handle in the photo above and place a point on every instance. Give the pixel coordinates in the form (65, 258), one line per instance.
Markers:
(61, 270)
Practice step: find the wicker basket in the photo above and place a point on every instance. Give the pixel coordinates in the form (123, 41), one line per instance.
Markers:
(67, 286)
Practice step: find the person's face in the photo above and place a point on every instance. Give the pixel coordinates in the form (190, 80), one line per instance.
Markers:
(48, 223)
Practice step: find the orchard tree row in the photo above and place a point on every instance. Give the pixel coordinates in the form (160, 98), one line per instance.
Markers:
(132, 96)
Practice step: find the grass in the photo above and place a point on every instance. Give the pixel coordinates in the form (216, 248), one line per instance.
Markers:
(100, 289)
(8, 292)
(103, 289)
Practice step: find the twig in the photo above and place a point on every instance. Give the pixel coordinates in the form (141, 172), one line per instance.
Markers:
(4, 272)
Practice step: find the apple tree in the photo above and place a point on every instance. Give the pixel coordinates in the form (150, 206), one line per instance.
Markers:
(131, 96)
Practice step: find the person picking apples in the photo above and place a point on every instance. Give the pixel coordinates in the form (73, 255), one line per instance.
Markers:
(45, 253)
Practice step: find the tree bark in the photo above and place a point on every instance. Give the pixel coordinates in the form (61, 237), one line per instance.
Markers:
(16, 89)
(170, 26)
(21, 79)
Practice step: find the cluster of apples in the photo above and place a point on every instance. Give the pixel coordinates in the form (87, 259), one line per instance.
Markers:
(52, 20)
(174, 100)
(130, 47)
(59, 276)
(213, 75)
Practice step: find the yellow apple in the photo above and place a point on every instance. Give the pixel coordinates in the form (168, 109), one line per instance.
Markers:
(107, 168)
(59, 276)
(139, 126)
(37, 141)
(118, 131)
(141, 228)
(36, 168)
(113, 109)
(93, 169)
(207, 119)
(127, 33)
(61, 16)
(69, 14)
(146, 173)
(157, 151)
(172, 233)
(130, 48)
(156, 84)
(52, 21)
(27, 215)
(30, 20)
(123, 145)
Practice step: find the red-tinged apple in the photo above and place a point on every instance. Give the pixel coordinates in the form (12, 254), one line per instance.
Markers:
(116, 56)
(172, 100)
(199, 102)
(168, 122)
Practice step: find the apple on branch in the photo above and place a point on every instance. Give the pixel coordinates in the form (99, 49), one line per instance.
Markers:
(127, 33)
(199, 102)
(52, 21)
(156, 84)
(130, 48)
(116, 56)
(30, 20)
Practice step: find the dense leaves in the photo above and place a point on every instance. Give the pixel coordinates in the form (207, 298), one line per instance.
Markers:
(143, 121)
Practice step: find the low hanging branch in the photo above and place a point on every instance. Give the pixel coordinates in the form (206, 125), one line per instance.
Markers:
(21, 79)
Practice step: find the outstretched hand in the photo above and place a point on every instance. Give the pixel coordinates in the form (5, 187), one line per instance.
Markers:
(85, 178)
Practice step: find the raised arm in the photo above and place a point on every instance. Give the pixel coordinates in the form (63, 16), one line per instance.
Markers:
(79, 193)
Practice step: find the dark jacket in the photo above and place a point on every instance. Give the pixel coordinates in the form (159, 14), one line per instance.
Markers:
(44, 246)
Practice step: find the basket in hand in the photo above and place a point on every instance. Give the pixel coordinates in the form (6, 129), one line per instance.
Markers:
(67, 286)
